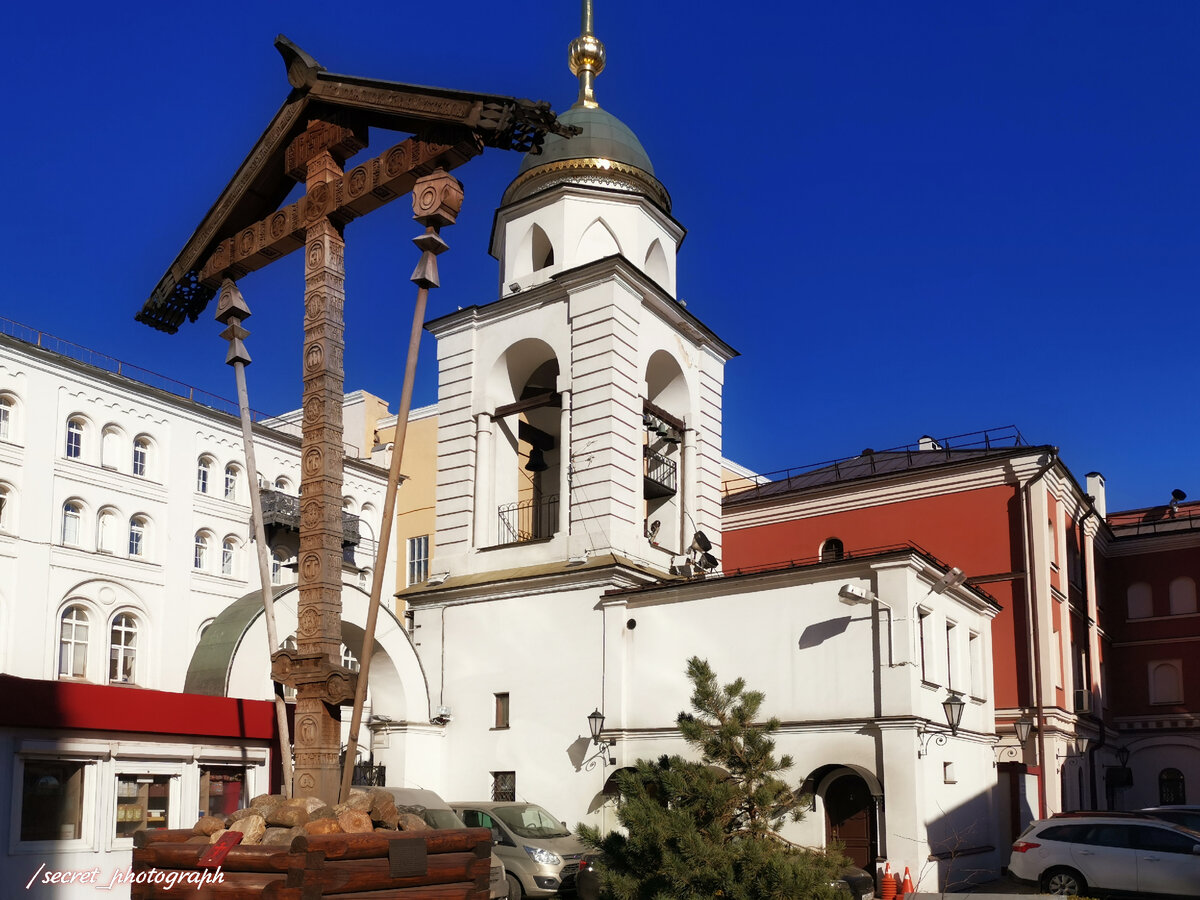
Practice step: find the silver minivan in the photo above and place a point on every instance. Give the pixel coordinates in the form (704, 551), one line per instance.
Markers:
(540, 855)
(437, 814)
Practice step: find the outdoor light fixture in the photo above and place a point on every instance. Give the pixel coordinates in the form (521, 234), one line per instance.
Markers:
(1123, 757)
(595, 726)
(953, 706)
(1082, 742)
(953, 578)
(1022, 727)
(851, 594)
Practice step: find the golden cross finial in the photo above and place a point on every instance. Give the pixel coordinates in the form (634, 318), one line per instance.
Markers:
(585, 56)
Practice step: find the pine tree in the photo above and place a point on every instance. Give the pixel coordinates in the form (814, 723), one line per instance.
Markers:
(698, 830)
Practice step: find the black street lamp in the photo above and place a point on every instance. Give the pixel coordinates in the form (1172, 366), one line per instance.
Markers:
(953, 706)
(596, 725)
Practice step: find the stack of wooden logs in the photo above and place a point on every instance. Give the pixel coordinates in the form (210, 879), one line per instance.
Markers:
(315, 856)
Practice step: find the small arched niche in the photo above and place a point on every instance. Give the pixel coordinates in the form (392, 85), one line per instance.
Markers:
(597, 242)
(656, 265)
(534, 252)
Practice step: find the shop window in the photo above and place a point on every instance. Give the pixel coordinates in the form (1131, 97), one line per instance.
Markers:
(143, 802)
(222, 790)
(52, 800)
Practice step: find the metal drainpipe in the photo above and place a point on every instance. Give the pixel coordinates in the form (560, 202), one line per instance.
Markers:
(1027, 514)
(1083, 579)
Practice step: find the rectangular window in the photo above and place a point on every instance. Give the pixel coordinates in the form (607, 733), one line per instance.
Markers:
(143, 801)
(504, 786)
(222, 790)
(74, 440)
(975, 652)
(5, 412)
(501, 711)
(951, 649)
(139, 459)
(52, 800)
(418, 559)
(923, 643)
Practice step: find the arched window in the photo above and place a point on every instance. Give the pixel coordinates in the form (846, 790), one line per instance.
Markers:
(71, 517)
(282, 484)
(349, 660)
(106, 531)
(1166, 683)
(6, 507)
(1183, 596)
(200, 554)
(832, 549)
(278, 558)
(231, 480)
(7, 418)
(1171, 788)
(73, 643)
(543, 250)
(141, 456)
(228, 548)
(122, 655)
(137, 536)
(203, 467)
(74, 439)
(1140, 600)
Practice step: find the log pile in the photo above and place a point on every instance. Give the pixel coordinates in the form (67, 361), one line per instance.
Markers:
(301, 849)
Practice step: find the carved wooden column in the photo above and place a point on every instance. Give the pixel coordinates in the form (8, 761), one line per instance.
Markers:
(321, 683)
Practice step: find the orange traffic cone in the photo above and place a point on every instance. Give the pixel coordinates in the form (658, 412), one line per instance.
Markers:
(887, 883)
(907, 887)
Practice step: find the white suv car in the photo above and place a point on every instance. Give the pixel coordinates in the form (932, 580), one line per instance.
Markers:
(1134, 854)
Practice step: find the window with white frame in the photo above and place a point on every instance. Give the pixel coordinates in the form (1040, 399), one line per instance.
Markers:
(418, 559)
(52, 799)
(141, 455)
(6, 505)
(1166, 681)
(923, 639)
(73, 643)
(278, 558)
(74, 447)
(231, 480)
(137, 536)
(200, 552)
(122, 656)
(1140, 600)
(975, 653)
(228, 548)
(143, 802)
(72, 515)
(349, 660)
(203, 469)
(1182, 593)
(283, 485)
(7, 416)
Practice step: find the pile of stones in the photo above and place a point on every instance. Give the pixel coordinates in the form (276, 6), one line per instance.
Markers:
(274, 819)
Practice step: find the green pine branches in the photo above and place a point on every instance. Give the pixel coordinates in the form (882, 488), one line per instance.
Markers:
(698, 830)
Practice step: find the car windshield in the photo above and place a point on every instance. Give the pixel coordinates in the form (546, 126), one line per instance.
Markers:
(441, 818)
(530, 821)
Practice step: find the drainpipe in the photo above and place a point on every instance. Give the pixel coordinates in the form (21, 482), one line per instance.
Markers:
(1035, 620)
(1083, 580)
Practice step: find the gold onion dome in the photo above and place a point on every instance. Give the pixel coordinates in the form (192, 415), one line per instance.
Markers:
(605, 153)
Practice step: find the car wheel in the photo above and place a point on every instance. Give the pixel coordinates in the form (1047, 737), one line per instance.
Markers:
(515, 892)
(1064, 882)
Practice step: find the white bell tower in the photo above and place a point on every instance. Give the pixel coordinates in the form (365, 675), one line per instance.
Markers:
(579, 415)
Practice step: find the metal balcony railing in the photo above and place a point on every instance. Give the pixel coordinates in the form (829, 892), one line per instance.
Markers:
(282, 510)
(528, 520)
(660, 476)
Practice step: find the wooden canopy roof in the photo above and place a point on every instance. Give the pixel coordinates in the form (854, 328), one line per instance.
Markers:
(463, 122)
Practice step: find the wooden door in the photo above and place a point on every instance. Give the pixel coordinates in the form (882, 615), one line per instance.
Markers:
(848, 808)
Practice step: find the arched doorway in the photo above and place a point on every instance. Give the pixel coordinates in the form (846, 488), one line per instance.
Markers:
(849, 817)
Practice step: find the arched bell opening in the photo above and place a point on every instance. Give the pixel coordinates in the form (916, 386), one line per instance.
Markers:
(527, 452)
(665, 471)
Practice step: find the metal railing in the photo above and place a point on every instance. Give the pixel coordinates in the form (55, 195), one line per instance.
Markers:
(528, 520)
(927, 451)
(81, 354)
(661, 472)
(282, 510)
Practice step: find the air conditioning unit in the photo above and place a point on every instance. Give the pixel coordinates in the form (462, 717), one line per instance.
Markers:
(1083, 700)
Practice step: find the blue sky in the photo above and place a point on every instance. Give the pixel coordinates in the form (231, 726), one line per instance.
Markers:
(909, 218)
